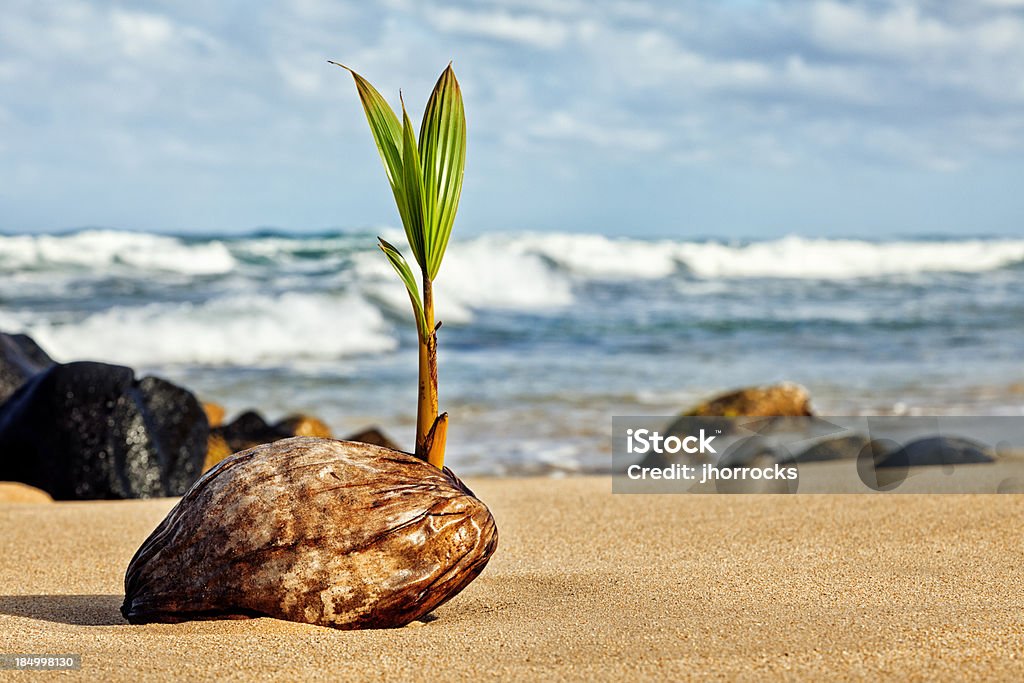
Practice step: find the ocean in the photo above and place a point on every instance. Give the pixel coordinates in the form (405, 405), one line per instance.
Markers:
(545, 336)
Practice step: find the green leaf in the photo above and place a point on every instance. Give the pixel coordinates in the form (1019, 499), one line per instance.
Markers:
(388, 136)
(412, 180)
(401, 267)
(442, 150)
(425, 176)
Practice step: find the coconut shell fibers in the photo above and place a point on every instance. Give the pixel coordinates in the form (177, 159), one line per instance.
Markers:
(335, 533)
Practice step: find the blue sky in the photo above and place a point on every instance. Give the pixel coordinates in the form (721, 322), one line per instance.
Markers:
(734, 118)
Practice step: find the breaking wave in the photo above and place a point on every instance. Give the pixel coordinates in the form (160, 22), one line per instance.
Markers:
(92, 249)
(596, 256)
(536, 262)
(140, 298)
(238, 330)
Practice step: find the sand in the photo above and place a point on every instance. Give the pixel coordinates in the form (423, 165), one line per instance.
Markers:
(585, 585)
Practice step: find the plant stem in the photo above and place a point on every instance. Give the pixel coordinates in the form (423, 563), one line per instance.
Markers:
(426, 409)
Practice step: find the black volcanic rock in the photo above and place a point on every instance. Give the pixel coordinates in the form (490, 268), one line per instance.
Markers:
(374, 436)
(20, 359)
(91, 430)
(938, 450)
(249, 429)
(838, 448)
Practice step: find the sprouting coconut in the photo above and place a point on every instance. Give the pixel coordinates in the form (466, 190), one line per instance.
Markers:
(339, 533)
(426, 180)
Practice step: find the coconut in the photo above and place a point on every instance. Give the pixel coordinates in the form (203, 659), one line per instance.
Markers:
(334, 533)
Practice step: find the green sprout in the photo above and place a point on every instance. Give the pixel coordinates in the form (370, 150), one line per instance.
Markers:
(426, 179)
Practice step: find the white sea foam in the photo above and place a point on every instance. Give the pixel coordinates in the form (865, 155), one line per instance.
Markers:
(688, 318)
(238, 330)
(478, 271)
(278, 249)
(596, 256)
(481, 273)
(105, 248)
(477, 274)
(280, 299)
(798, 257)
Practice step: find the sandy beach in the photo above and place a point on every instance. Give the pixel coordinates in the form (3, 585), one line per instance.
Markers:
(585, 585)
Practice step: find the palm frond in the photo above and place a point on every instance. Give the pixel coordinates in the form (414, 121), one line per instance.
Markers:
(442, 150)
(401, 267)
(412, 179)
(426, 179)
(388, 136)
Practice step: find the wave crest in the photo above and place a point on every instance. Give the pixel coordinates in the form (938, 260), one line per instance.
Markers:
(106, 248)
(238, 330)
(600, 257)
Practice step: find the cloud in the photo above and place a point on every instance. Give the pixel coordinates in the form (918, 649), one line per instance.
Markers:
(139, 32)
(902, 30)
(298, 75)
(91, 90)
(652, 58)
(525, 29)
(563, 126)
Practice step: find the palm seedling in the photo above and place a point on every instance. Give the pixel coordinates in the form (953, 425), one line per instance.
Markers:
(426, 179)
(359, 539)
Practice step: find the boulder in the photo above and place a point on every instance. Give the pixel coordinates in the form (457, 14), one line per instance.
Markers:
(304, 425)
(333, 533)
(836, 448)
(15, 492)
(373, 435)
(216, 447)
(776, 400)
(715, 416)
(214, 413)
(247, 430)
(20, 359)
(216, 450)
(938, 450)
(94, 431)
(251, 429)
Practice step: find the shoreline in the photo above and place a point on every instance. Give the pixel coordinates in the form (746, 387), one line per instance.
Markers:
(684, 586)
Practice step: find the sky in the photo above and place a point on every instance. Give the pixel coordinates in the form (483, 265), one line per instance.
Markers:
(735, 118)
